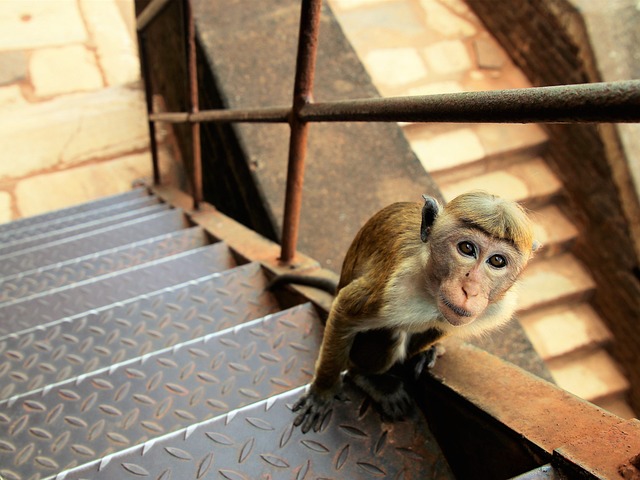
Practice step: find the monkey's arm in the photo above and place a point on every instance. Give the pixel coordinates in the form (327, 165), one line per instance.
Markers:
(423, 350)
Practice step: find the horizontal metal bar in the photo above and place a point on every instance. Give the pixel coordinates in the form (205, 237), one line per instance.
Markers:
(596, 102)
(150, 12)
(255, 115)
(584, 103)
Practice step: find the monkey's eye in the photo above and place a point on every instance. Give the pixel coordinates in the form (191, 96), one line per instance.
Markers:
(467, 249)
(497, 261)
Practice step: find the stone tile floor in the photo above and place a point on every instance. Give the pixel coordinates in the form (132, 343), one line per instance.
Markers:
(72, 114)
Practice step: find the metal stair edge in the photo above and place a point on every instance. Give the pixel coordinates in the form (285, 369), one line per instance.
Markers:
(122, 303)
(84, 235)
(73, 230)
(138, 202)
(63, 212)
(107, 251)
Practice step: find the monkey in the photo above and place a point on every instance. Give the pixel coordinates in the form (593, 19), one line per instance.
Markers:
(413, 276)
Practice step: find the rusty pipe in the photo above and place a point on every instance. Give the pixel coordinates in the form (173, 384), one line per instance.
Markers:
(302, 95)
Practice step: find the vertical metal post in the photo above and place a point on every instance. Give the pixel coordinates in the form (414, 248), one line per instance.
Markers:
(196, 177)
(302, 95)
(148, 90)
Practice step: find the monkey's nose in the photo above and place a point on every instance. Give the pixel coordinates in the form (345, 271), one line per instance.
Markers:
(470, 291)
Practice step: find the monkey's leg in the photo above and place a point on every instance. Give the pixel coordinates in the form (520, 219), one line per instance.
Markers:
(388, 393)
(375, 371)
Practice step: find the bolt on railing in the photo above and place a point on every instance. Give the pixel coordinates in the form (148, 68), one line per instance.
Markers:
(597, 102)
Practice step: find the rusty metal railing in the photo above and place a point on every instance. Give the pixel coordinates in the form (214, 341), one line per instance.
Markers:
(599, 102)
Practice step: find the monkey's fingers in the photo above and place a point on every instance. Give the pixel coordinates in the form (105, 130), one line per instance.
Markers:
(313, 409)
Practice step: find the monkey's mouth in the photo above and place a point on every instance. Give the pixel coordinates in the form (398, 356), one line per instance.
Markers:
(459, 311)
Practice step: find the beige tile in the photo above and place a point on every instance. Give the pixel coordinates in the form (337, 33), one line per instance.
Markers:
(565, 329)
(594, 376)
(10, 95)
(6, 214)
(500, 183)
(46, 192)
(448, 57)
(395, 66)
(116, 50)
(72, 129)
(448, 150)
(56, 71)
(445, 22)
(550, 281)
(29, 24)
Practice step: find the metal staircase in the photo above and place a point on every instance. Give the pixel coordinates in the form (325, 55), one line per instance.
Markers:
(133, 345)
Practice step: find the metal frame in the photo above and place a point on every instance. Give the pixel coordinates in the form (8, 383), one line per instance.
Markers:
(598, 102)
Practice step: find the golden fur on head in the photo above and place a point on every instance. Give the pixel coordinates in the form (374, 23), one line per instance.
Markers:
(500, 218)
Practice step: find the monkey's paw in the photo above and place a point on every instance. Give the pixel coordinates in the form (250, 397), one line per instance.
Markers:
(396, 406)
(313, 408)
(426, 359)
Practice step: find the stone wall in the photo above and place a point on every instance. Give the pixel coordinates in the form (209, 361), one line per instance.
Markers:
(549, 41)
(72, 110)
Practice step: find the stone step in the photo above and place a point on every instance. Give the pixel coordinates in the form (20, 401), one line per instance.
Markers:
(99, 211)
(553, 230)
(619, 406)
(92, 341)
(260, 441)
(147, 397)
(17, 245)
(531, 182)
(76, 210)
(36, 310)
(553, 281)
(469, 151)
(92, 242)
(565, 329)
(593, 376)
(80, 269)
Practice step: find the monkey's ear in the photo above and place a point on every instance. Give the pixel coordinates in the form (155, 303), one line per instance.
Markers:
(429, 213)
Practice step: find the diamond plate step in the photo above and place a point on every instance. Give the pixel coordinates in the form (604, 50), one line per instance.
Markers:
(93, 242)
(260, 441)
(79, 218)
(85, 343)
(80, 209)
(80, 269)
(15, 246)
(86, 418)
(109, 289)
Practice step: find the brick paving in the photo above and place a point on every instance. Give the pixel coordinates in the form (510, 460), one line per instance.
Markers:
(71, 104)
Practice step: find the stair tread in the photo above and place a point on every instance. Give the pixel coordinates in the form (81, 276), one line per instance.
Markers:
(34, 240)
(527, 182)
(618, 406)
(565, 329)
(553, 229)
(112, 288)
(95, 340)
(461, 151)
(97, 264)
(260, 441)
(79, 218)
(75, 210)
(553, 280)
(164, 391)
(92, 242)
(593, 376)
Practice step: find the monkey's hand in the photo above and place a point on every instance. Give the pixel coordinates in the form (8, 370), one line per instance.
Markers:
(313, 407)
(426, 359)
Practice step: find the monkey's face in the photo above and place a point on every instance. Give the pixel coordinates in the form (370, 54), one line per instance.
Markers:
(469, 270)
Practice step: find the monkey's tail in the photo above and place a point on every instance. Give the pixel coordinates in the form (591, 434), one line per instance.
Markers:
(324, 284)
